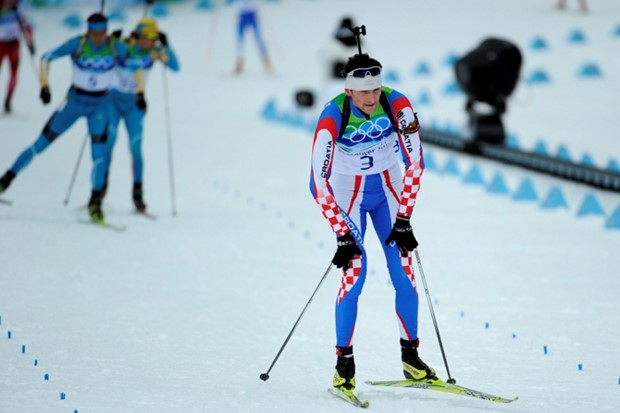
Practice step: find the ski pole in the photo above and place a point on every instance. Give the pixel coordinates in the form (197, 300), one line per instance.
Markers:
(147, 5)
(75, 170)
(265, 376)
(430, 306)
(169, 139)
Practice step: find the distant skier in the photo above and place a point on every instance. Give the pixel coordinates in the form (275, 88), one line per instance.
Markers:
(94, 56)
(13, 21)
(361, 136)
(248, 19)
(583, 5)
(146, 45)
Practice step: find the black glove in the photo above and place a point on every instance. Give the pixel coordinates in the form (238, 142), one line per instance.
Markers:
(163, 39)
(45, 95)
(347, 248)
(402, 235)
(117, 34)
(140, 102)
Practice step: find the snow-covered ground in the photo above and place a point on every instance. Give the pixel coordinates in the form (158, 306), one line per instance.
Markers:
(182, 314)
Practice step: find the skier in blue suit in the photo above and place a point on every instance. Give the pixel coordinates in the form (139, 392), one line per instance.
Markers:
(146, 45)
(94, 56)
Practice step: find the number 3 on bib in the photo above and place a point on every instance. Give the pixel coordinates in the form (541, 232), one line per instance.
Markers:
(367, 162)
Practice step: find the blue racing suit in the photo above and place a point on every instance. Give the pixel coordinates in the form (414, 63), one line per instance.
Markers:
(123, 99)
(87, 97)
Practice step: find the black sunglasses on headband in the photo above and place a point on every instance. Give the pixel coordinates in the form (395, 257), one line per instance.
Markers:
(365, 71)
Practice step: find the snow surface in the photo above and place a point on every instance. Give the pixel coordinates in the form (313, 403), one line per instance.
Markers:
(182, 314)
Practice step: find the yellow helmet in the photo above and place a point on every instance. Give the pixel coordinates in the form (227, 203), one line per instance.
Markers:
(147, 28)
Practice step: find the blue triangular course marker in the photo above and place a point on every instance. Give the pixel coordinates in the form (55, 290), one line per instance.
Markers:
(526, 191)
(538, 77)
(391, 76)
(422, 68)
(613, 165)
(116, 15)
(297, 120)
(538, 43)
(555, 199)
(159, 10)
(541, 149)
(613, 222)
(590, 70)
(270, 112)
(563, 153)
(450, 59)
(311, 125)
(423, 99)
(205, 5)
(576, 36)
(72, 21)
(429, 161)
(497, 184)
(451, 168)
(451, 88)
(616, 32)
(586, 160)
(474, 176)
(590, 206)
(512, 141)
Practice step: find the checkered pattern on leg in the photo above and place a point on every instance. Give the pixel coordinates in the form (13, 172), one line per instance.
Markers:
(350, 277)
(407, 264)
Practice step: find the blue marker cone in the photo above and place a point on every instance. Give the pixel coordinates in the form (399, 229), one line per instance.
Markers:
(613, 165)
(159, 10)
(538, 77)
(72, 21)
(538, 43)
(391, 76)
(586, 160)
(512, 141)
(576, 36)
(541, 148)
(451, 168)
(526, 191)
(613, 222)
(474, 176)
(424, 98)
(563, 153)
(554, 199)
(270, 112)
(450, 59)
(590, 206)
(422, 68)
(590, 70)
(497, 185)
(452, 88)
(429, 161)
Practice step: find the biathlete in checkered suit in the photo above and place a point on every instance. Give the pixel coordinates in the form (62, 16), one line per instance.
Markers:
(362, 136)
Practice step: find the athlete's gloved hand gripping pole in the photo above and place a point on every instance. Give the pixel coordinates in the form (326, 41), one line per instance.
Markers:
(402, 236)
(402, 233)
(347, 249)
(45, 94)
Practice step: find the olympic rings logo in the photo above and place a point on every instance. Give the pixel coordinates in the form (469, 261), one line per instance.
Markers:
(370, 130)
